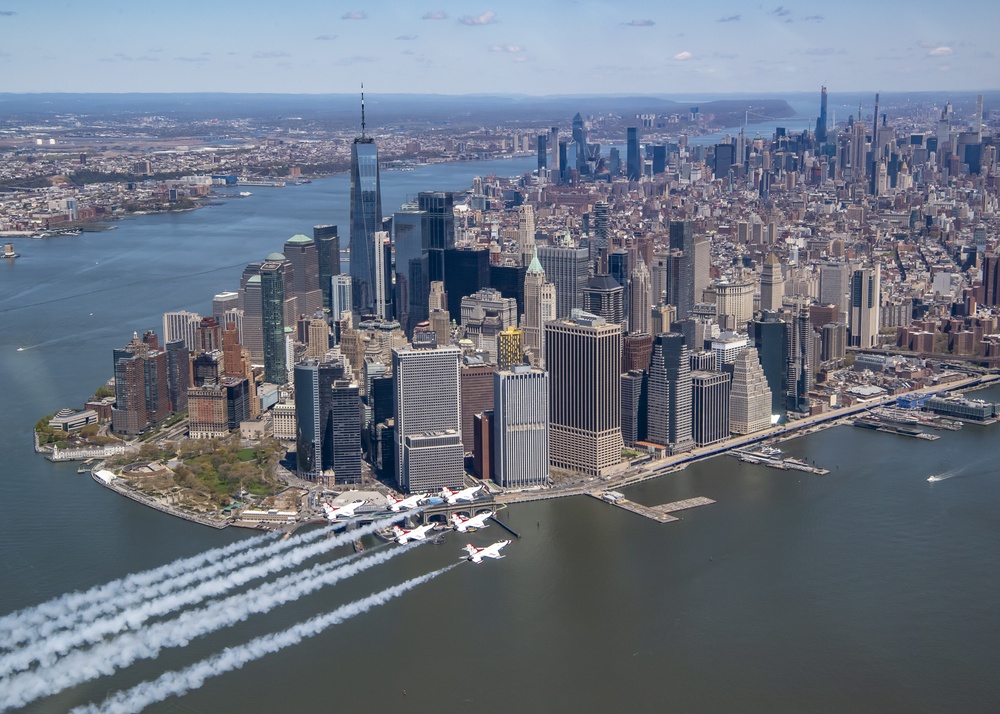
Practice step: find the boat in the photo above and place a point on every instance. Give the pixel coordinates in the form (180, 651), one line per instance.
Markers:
(244, 194)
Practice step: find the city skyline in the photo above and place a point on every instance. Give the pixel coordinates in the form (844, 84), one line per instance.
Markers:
(308, 47)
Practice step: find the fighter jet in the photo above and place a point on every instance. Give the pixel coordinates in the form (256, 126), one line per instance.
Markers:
(347, 511)
(476, 555)
(466, 494)
(465, 524)
(405, 504)
(404, 536)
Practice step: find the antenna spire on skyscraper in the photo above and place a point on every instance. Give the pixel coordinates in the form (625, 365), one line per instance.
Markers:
(362, 110)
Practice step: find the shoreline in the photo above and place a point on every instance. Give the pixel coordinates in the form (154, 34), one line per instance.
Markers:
(630, 477)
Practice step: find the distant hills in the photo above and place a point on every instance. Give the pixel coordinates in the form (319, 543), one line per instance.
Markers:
(382, 109)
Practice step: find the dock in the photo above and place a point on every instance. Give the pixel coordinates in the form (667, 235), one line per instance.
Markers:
(754, 457)
(660, 514)
(898, 429)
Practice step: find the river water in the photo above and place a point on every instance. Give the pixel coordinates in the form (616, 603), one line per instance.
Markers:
(867, 590)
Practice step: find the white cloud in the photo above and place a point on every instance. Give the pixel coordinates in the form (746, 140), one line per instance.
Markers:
(513, 49)
(682, 56)
(487, 18)
(939, 52)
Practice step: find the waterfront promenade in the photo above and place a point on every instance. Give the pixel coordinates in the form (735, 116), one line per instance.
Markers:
(630, 475)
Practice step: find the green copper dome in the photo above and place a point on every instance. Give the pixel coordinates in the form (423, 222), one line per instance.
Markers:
(275, 256)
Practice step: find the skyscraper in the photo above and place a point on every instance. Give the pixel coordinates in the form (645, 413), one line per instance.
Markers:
(801, 360)
(382, 275)
(770, 338)
(142, 397)
(328, 423)
(554, 164)
(864, 308)
(366, 217)
(521, 427)
(301, 251)
(340, 295)
(182, 325)
(640, 295)
(569, 270)
(603, 296)
(543, 144)
(526, 232)
(772, 284)
(328, 251)
(634, 406)
(428, 438)
(583, 356)
(709, 407)
(539, 308)
(633, 159)
(437, 230)
(749, 396)
(821, 122)
(669, 417)
(510, 348)
(272, 292)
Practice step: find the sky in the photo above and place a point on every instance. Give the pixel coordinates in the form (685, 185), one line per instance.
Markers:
(540, 48)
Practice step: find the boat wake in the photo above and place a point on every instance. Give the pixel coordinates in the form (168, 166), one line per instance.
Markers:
(946, 475)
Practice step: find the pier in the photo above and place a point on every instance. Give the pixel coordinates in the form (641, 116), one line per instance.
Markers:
(660, 514)
(755, 457)
(898, 429)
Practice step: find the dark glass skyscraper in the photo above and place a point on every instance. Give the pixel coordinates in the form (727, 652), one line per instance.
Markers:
(821, 121)
(328, 423)
(633, 159)
(366, 218)
(328, 249)
(272, 303)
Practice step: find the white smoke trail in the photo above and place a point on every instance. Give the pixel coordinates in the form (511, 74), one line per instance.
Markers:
(117, 599)
(83, 665)
(173, 684)
(82, 629)
(38, 614)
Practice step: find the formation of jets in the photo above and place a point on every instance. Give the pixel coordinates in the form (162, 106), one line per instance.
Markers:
(463, 524)
(404, 536)
(476, 555)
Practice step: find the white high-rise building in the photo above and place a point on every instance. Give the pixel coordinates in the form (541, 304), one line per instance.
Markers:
(340, 295)
(521, 427)
(182, 325)
(749, 397)
(380, 288)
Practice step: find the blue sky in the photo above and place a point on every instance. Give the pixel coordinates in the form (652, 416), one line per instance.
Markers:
(541, 47)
